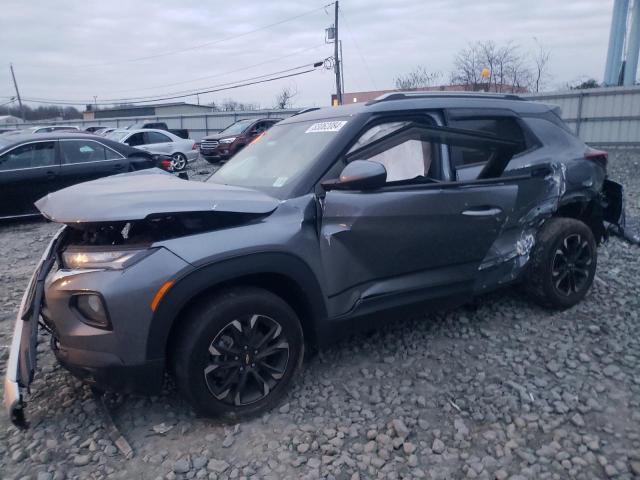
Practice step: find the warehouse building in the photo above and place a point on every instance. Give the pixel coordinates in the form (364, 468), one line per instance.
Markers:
(159, 110)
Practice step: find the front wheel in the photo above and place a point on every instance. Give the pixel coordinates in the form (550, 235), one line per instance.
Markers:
(237, 353)
(563, 263)
(178, 161)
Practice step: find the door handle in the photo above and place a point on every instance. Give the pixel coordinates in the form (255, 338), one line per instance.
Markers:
(482, 212)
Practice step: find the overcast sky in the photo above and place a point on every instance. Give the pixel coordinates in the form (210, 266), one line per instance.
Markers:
(77, 49)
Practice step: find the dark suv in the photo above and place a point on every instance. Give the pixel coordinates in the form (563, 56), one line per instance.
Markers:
(225, 144)
(332, 220)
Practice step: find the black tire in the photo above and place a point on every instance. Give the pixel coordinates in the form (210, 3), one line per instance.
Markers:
(179, 161)
(562, 264)
(209, 353)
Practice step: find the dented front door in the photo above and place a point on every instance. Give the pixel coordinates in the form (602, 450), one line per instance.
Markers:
(441, 232)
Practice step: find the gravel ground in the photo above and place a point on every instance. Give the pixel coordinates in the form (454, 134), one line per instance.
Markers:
(501, 389)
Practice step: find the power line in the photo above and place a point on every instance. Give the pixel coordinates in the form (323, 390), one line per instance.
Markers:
(214, 90)
(195, 47)
(355, 43)
(248, 67)
(190, 92)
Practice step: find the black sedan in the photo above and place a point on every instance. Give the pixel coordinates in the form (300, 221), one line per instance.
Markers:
(32, 166)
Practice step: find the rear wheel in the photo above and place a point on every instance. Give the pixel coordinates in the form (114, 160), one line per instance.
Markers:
(563, 263)
(237, 353)
(178, 161)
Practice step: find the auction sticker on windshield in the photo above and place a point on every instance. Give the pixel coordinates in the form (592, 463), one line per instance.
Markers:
(326, 126)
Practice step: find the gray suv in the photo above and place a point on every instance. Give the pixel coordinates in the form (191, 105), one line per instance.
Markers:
(329, 222)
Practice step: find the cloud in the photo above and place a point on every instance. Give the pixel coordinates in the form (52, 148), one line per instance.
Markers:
(53, 45)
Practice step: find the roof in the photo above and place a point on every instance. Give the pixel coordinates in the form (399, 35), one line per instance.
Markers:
(426, 100)
(6, 140)
(153, 105)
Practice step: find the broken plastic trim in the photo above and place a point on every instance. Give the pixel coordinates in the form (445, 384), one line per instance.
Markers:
(154, 228)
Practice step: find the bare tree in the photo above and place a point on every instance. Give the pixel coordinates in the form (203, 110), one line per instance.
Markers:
(285, 97)
(518, 75)
(541, 65)
(509, 69)
(508, 60)
(467, 66)
(419, 77)
(230, 105)
(488, 53)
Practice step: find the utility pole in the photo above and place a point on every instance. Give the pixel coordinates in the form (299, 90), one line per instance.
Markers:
(336, 56)
(15, 84)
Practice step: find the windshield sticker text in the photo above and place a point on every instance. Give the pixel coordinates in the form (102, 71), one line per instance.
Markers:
(326, 126)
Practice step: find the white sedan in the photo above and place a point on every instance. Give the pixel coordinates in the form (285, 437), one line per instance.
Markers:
(182, 151)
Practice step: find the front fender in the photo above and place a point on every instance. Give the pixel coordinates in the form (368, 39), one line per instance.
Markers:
(206, 277)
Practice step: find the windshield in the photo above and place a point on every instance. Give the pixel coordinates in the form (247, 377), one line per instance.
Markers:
(279, 156)
(237, 128)
(117, 135)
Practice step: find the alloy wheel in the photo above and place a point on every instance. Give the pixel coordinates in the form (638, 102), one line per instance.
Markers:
(178, 161)
(571, 265)
(247, 359)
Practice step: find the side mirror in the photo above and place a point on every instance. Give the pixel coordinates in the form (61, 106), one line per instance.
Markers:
(359, 175)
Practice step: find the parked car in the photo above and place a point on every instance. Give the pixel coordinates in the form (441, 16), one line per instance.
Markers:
(180, 132)
(44, 129)
(225, 144)
(94, 128)
(34, 165)
(104, 131)
(335, 219)
(181, 150)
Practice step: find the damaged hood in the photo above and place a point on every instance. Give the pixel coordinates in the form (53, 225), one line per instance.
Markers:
(135, 196)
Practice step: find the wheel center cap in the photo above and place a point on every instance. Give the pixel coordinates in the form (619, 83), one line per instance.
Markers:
(247, 359)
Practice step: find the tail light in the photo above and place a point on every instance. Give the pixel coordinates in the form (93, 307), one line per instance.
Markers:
(195, 146)
(165, 164)
(598, 156)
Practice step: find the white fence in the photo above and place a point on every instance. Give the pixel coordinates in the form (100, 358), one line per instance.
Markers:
(607, 117)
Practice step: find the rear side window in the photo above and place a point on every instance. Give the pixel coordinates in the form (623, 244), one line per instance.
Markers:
(40, 154)
(135, 140)
(84, 151)
(500, 127)
(155, 137)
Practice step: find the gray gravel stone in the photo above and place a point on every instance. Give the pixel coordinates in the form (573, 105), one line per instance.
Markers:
(81, 460)
(498, 388)
(437, 446)
(182, 465)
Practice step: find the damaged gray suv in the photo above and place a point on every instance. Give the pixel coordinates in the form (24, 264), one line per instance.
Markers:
(329, 221)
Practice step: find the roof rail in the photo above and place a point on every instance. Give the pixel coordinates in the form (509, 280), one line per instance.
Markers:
(305, 110)
(436, 94)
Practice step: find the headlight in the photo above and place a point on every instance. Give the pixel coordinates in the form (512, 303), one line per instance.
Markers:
(109, 259)
(228, 140)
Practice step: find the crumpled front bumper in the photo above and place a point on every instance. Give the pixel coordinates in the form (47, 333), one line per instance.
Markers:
(22, 357)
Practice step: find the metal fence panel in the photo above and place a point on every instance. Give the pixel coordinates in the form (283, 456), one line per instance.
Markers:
(600, 116)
